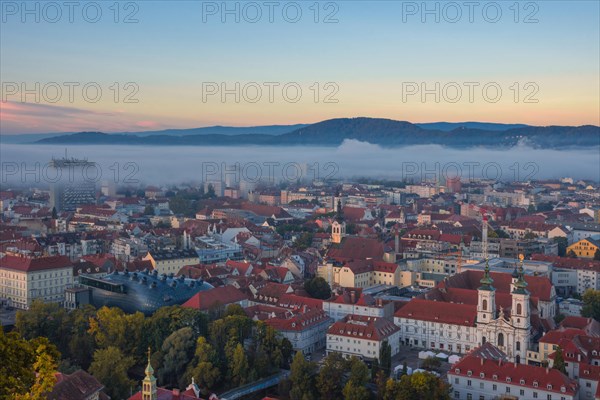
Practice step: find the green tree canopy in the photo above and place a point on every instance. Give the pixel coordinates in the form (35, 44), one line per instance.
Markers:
(110, 367)
(302, 378)
(591, 304)
(177, 350)
(318, 288)
(331, 376)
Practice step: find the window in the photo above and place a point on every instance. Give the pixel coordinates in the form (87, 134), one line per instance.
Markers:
(469, 382)
(519, 309)
(495, 387)
(501, 339)
(456, 381)
(469, 396)
(535, 395)
(484, 305)
(507, 389)
(456, 394)
(522, 392)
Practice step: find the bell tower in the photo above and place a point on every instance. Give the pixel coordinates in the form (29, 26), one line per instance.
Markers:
(486, 298)
(338, 228)
(520, 300)
(149, 383)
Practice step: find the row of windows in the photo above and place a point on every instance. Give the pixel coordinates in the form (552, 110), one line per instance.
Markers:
(521, 393)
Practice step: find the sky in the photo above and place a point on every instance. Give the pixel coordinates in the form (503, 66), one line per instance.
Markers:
(149, 65)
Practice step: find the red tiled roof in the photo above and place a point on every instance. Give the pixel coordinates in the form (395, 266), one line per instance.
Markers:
(438, 311)
(538, 286)
(27, 264)
(569, 263)
(515, 372)
(357, 248)
(77, 386)
(165, 394)
(363, 327)
(290, 300)
(220, 296)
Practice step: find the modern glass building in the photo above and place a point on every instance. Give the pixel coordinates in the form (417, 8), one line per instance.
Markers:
(141, 291)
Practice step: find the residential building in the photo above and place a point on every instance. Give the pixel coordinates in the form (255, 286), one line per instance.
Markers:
(585, 248)
(478, 376)
(171, 261)
(305, 328)
(354, 301)
(362, 336)
(25, 279)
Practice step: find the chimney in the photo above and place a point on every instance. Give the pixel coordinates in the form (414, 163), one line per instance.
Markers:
(353, 296)
(481, 360)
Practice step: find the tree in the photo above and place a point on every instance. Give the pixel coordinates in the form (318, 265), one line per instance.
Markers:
(301, 377)
(45, 319)
(420, 385)
(203, 369)
(597, 255)
(112, 327)
(234, 309)
(177, 351)
(54, 213)
(304, 241)
(81, 343)
(502, 234)
(149, 210)
(239, 367)
(562, 244)
(431, 363)
(530, 235)
(45, 368)
(559, 361)
(359, 376)
(559, 317)
(318, 288)
(329, 381)
(110, 367)
(571, 254)
(385, 358)
(16, 368)
(591, 304)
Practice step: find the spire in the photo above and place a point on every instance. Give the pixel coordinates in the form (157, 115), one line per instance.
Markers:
(149, 369)
(520, 284)
(486, 281)
(149, 391)
(340, 212)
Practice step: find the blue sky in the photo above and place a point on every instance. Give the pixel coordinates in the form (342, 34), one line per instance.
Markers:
(369, 54)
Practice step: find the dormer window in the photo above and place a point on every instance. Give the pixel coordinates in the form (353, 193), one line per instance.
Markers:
(563, 389)
(522, 381)
(481, 375)
(535, 384)
(495, 377)
(508, 379)
(469, 373)
(457, 370)
(549, 387)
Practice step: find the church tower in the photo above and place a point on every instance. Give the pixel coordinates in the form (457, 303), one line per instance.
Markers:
(338, 228)
(149, 382)
(520, 301)
(486, 298)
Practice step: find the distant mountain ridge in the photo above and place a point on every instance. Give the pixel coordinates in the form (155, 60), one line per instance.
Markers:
(333, 132)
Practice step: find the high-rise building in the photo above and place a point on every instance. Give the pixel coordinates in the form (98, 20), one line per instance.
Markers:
(73, 183)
